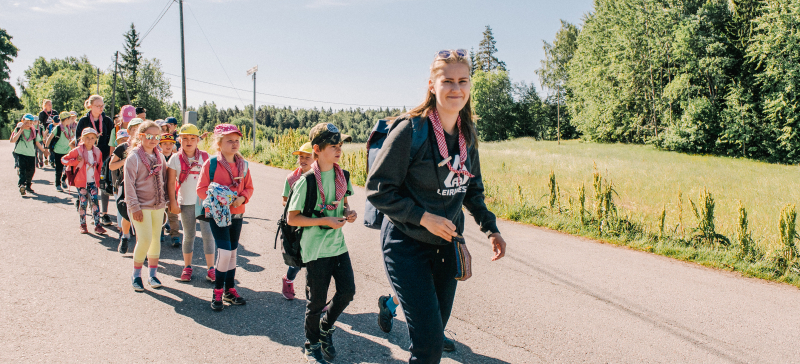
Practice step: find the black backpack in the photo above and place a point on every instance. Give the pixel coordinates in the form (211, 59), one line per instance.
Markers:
(290, 235)
(372, 217)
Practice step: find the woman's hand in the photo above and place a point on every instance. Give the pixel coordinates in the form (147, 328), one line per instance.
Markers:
(498, 246)
(334, 222)
(237, 202)
(438, 226)
(138, 216)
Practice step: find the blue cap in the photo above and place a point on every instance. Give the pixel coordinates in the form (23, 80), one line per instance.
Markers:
(172, 120)
(28, 117)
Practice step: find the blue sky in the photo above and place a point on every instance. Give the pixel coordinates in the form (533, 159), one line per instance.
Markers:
(357, 52)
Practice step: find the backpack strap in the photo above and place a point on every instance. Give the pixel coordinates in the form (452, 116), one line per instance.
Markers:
(419, 135)
(212, 168)
(311, 195)
(347, 182)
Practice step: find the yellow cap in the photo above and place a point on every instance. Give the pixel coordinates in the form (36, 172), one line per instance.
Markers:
(306, 148)
(189, 129)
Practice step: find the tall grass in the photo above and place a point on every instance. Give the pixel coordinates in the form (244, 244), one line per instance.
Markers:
(737, 215)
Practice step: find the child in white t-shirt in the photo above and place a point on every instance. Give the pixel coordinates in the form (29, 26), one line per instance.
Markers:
(183, 175)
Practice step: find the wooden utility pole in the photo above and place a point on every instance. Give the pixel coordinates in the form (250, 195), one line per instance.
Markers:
(114, 87)
(183, 65)
(253, 72)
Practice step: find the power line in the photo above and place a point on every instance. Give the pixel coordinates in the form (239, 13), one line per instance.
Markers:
(158, 19)
(213, 51)
(233, 98)
(287, 97)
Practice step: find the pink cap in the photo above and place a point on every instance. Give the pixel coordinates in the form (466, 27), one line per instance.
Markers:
(128, 112)
(223, 129)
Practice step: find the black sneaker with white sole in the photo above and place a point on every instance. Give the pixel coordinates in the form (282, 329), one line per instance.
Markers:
(106, 220)
(138, 286)
(123, 245)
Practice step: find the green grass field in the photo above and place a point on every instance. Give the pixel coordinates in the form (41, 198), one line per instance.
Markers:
(647, 182)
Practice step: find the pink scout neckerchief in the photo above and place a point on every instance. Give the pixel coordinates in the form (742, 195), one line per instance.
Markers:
(341, 186)
(294, 176)
(239, 165)
(462, 145)
(68, 132)
(185, 158)
(100, 119)
(82, 152)
(32, 134)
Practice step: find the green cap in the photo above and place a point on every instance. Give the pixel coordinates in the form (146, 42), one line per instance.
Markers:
(64, 115)
(327, 133)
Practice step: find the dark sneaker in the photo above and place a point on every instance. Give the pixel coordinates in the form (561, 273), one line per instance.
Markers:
(58, 188)
(22, 190)
(84, 230)
(29, 190)
(449, 345)
(64, 185)
(138, 286)
(154, 282)
(385, 316)
(216, 300)
(99, 230)
(123, 246)
(232, 297)
(314, 355)
(106, 220)
(176, 241)
(326, 342)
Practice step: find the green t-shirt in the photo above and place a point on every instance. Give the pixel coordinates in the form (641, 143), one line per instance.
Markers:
(317, 242)
(27, 148)
(62, 144)
(286, 188)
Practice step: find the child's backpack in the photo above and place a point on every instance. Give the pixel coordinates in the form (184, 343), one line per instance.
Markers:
(106, 181)
(199, 211)
(290, 235)
(372, 217)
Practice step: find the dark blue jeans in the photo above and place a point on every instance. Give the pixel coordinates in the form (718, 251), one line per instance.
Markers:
(423, 277)
(318, 278)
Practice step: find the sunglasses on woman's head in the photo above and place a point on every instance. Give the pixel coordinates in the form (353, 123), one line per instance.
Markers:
(445, 54)
(151, 136)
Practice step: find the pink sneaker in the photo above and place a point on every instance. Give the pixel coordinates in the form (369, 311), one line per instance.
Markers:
(288, 289)
(186, 275)
(211, 275)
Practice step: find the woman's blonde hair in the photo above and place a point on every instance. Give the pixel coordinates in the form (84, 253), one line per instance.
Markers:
(88, 103)
(467, 120)
(45, 101)
(134, 140)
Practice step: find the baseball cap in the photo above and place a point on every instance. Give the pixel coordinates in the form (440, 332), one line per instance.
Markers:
(224, 129)
(128, 113)
(327, 133)
(73, 113)
(122, 133)
(28, 117)
(134, 122)
(171, 120)
(89, 131)
(167, 137)
(64, 115)
(306, 148)
(189, 129)
(160, 122)
(140, 110)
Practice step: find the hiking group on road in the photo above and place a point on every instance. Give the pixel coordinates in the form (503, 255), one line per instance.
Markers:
(424, 166)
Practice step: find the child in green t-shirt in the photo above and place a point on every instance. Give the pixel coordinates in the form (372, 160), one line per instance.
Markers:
(322, 245)
(26, 142)
(304, 159)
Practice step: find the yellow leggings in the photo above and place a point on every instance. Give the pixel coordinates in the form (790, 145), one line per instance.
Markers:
(148, 235)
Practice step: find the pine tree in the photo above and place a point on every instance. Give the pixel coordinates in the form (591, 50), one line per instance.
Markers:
(8, 97)
(131, 60)
(472, 63)
(485, 59)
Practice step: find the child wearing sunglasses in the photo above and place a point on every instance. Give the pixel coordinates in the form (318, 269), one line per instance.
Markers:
(87, 158)
(146, 196)
(227, 170)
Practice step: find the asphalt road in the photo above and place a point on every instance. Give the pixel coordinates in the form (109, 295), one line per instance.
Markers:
(554, 298)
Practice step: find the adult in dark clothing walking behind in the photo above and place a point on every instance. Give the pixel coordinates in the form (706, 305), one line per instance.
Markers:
(422, 195)
(98, 120)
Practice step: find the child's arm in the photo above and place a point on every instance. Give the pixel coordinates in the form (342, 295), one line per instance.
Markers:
(115, 163)
(173, 200)
(285, 200)
(296, 219)
(350, 215)
(71, 159)
(131, 166)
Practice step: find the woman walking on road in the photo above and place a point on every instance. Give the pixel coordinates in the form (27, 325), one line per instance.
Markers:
(146, 196)
(103, 124)
(423, 194)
